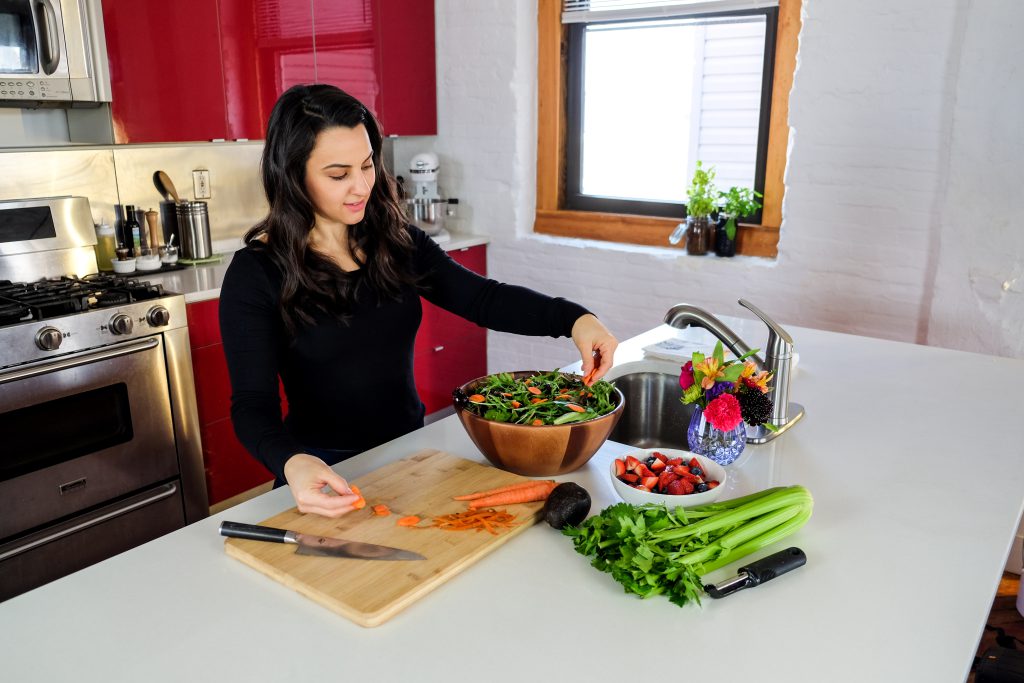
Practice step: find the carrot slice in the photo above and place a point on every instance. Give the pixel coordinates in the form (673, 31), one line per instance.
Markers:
(381, 510)
(477, 398)
(411, 520)
(534, 390)
(573, 406)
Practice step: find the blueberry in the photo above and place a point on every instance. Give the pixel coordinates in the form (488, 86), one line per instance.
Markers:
(651, 460)
(696, 471)
(701, 487)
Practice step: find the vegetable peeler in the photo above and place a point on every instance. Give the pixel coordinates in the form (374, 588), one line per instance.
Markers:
(759, 572)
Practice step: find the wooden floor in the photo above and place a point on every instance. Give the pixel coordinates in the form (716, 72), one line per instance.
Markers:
(1004, 615)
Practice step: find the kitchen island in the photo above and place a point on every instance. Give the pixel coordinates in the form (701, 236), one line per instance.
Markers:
(911, 454)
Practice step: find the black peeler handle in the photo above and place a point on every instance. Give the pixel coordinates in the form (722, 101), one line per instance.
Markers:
(768, 568)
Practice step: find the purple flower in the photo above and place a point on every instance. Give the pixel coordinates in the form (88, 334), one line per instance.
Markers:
(717, 390)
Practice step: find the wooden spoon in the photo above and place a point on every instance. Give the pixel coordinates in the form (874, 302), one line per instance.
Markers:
(165, 186)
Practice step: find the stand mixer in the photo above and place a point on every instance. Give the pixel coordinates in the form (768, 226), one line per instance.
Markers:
(426, 209)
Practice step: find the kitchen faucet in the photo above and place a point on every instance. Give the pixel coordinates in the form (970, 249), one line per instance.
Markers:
(778, 360)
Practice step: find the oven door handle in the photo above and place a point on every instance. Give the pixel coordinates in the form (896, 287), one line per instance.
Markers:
(82, 359)
(101, 516)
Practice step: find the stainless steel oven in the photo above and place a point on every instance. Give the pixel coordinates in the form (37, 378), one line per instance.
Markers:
(99, 432)
(52, 53)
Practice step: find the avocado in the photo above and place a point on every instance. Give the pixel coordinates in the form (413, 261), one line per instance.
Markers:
(567, 505)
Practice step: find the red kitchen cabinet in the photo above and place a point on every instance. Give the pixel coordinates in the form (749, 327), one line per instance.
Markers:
(450, 351)
(230, 469)
(381, 52)
(268, 48)
(212, 69)
(165, 70)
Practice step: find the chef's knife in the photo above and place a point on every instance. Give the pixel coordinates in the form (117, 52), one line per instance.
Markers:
(317, 545)
(759, 572)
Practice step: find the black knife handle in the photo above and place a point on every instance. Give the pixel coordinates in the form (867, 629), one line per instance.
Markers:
(253, 532)
(767, 568)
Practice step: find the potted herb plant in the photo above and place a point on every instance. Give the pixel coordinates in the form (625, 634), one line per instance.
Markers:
(737, 203)
(700, 204)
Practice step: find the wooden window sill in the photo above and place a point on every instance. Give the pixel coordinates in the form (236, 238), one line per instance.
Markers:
(752, 240)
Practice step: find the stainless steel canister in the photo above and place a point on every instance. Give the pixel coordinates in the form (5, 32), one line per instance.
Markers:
(194, 230)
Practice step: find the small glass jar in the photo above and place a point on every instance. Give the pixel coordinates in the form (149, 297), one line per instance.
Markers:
(699, 233)
(169, 255)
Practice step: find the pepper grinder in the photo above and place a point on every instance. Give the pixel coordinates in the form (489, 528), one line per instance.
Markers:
(154, 230)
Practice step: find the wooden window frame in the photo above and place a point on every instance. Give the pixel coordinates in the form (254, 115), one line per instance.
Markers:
(552, 219)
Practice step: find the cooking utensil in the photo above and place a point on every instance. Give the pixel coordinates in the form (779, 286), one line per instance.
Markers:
(164, 186)
(759, 572)
(321, 546)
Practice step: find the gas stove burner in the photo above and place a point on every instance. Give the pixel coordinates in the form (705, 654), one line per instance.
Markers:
(112, 298)
(11, 313)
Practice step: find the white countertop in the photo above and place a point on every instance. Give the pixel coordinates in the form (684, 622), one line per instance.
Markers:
(915, 462)
(202, 282)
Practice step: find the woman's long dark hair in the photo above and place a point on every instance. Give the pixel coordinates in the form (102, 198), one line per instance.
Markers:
(379, 243)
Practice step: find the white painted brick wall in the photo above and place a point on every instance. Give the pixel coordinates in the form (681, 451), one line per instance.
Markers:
(905, 139)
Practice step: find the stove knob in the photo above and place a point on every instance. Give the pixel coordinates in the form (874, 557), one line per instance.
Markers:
(49, 339)
(121, 324)
(158, 316)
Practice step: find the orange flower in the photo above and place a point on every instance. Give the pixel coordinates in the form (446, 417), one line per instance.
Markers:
(711, 368)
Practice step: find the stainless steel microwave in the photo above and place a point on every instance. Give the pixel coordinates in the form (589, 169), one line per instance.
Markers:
(53, 54)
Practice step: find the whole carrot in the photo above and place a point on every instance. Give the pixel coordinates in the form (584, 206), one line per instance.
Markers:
(500, 489)
(526, 494)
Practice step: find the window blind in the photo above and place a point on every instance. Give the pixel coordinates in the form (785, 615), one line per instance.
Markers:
(589, 11)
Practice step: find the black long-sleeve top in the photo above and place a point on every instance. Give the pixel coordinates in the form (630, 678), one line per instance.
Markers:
(350, 386)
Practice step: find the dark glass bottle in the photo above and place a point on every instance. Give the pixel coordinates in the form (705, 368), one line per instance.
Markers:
(132, 230)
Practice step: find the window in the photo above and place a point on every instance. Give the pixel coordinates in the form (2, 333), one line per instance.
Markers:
(711, 86)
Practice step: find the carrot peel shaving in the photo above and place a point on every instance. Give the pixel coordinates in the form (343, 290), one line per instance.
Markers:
(488, 519)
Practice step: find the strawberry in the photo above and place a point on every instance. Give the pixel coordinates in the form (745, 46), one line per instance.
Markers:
(632, 463)
(644, 471)
(620, 467)
(687, 487)
(658, 466)
(630, 478)
(676, 488)
(675, 461)
(649, 483)
(642, 488)
(712, 484)
(694, 463)
(664, 479)
(661, 456)
(685, 474)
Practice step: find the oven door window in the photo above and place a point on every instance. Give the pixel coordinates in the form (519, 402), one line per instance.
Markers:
(49, 433)
(17, 38)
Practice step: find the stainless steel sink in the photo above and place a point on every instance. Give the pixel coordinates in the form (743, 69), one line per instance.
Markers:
(653, 416)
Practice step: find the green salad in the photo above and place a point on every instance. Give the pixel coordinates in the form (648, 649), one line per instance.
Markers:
(551, 398)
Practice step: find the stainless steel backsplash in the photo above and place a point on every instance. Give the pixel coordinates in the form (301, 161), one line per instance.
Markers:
(123, 174)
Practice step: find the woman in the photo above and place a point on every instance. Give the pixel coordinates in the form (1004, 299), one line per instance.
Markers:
(326, 295)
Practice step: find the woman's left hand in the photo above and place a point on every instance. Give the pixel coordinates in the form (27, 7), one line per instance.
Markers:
(597, 347)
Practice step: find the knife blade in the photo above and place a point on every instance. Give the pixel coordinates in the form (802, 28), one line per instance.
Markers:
(322, 546)
(756, 573)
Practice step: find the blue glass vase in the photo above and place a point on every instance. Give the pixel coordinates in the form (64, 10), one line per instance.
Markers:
(705, 439)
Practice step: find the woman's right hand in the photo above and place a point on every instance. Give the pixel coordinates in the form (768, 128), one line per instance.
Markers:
(307, 476)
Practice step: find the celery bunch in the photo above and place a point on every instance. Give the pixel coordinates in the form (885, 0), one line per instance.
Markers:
(654, 550)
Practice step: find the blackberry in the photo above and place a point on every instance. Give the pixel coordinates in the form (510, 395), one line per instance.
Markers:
(755, 407)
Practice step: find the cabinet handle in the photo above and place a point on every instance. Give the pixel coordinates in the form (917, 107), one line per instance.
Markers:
(438, 348)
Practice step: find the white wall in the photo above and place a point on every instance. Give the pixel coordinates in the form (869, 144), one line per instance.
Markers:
(906, 140)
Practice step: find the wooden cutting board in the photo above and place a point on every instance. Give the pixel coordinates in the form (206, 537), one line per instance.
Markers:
(369, 592)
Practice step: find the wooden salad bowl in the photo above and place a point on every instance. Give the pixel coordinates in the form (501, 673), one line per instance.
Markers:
(536, 451)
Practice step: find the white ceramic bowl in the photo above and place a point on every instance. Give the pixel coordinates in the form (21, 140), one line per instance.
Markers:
(148, 262)
(712, 470)
(125, 266)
